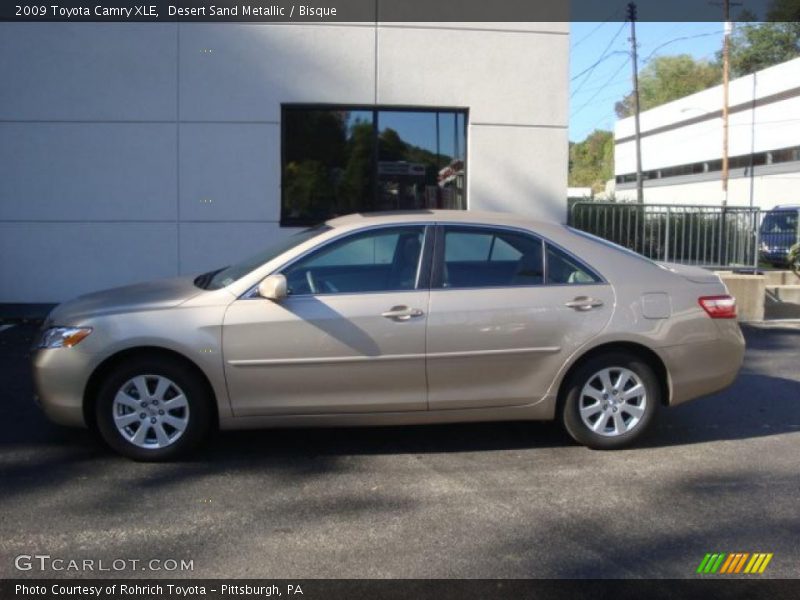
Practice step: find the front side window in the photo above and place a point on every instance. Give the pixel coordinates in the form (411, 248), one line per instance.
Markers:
(381, 260)
(485, 257)
(341, 160)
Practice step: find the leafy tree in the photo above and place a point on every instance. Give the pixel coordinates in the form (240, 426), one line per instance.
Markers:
(756, 46)
(784, 10)
(591, 162)
(355, 187)
(668, 78)
(794, 259)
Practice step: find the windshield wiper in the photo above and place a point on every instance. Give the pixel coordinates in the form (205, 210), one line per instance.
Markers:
(203, 280)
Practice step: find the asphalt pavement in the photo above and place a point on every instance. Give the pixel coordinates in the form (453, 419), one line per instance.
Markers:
(721, 474)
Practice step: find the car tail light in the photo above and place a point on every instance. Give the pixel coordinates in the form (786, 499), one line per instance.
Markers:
(719, 307)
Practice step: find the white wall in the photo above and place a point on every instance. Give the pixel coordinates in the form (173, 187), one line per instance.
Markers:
(767, 127)
(133, 151)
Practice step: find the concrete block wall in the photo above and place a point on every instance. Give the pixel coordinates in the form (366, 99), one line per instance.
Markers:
(136, 151)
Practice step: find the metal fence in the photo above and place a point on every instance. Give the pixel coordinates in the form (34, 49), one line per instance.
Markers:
(711, 236)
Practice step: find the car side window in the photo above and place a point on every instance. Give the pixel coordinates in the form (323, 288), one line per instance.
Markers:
(380, 260)
(487, 257)
(565, 269)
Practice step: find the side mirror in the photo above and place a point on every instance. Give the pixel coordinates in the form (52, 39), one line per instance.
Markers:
(273, 287)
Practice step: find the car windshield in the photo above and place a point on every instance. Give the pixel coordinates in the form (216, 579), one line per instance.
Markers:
(780, 221)
(224, 277)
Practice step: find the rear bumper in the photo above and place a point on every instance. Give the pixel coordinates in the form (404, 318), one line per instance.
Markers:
(59, 379)
(703, 368)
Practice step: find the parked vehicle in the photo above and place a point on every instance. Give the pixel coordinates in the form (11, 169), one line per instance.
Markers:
(396, 318)
(778, 233)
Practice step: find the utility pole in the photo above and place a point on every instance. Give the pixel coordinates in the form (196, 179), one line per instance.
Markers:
(638, 136)
(726, 67)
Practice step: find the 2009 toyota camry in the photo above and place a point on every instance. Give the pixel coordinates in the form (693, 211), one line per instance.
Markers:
(394, 318)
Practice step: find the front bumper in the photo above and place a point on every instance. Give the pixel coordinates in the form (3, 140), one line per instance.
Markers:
(60, 376)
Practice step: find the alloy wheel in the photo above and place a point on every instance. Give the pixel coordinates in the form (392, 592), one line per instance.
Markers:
(613, 401)
(150, 411)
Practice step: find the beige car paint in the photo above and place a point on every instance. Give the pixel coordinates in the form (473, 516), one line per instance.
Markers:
(334, 360)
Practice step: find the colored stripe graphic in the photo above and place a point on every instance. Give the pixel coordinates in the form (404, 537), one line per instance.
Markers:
(703, 563)
(740, 564)
(714, 563)
(734, 562)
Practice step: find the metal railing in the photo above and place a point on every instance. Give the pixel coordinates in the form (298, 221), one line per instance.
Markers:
(709, 236)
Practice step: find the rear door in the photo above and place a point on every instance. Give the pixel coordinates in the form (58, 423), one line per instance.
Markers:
(506, 311)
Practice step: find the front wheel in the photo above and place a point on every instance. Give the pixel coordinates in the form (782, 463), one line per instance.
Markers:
(610, 401)
(152, 409)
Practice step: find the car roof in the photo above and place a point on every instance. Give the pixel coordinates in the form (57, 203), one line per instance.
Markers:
(472, 217)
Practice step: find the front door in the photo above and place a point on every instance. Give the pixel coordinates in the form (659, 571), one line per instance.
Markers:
(349, 338)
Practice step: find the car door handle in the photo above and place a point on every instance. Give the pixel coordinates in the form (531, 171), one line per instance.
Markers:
(584, 303)
(402, 313)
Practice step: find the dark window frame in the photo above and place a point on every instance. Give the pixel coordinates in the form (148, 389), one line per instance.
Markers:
(374, 109)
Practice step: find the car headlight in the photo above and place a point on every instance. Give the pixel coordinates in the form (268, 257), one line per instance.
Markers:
(63, 337)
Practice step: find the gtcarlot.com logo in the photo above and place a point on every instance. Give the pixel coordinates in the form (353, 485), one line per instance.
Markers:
(735, 562)
(45, 562)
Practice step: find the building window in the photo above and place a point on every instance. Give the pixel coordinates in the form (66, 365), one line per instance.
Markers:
(339, 160)
(744, 161)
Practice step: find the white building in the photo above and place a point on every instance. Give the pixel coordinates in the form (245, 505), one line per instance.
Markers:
(137, 151)
(682, 144)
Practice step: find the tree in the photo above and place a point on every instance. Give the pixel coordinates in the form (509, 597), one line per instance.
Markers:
(668, 78)
(591, 162)
(756, 46)
(794, 259)
(784, 10)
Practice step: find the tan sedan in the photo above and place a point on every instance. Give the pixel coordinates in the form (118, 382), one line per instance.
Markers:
(396, 318)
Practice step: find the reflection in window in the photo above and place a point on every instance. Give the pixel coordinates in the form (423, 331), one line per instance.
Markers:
(338, 161)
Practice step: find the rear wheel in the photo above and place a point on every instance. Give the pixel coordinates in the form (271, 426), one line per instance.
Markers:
(152, 409)
(610, 401)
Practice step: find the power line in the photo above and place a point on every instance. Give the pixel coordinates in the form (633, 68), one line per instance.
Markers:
(612, 84)
(599, 62)
(593, 31)
(677, 39)
(603, 56)
(610, 79)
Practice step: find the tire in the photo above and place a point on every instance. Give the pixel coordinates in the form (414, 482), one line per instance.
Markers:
(176, 411)
(597, 417)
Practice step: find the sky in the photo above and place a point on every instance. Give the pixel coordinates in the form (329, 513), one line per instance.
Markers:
(593, 94)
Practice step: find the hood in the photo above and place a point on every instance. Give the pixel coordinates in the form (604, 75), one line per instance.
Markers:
(693, 274)
(150, 295)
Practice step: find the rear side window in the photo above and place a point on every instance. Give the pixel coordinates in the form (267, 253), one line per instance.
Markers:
(565, 269)
(486, 257)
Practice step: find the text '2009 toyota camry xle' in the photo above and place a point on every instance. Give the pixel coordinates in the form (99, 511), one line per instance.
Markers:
(394, 318)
